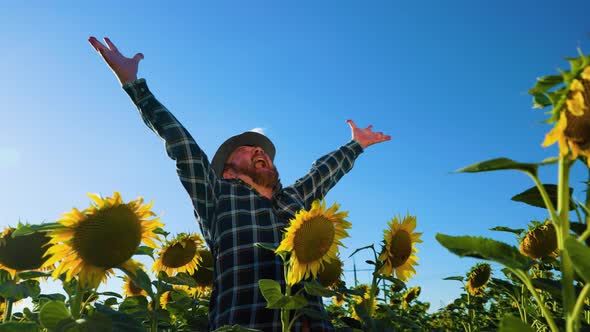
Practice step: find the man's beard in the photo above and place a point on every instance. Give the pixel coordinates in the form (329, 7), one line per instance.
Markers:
(264, 177)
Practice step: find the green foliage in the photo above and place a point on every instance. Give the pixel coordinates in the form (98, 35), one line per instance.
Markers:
(271, 290)
(479, 247)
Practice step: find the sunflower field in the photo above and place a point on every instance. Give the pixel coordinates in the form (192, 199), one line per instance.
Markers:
(543, 283)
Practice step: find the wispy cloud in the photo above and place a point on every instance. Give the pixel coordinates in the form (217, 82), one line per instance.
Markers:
(9, 157)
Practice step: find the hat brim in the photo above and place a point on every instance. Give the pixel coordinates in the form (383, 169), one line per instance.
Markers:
(234, 142)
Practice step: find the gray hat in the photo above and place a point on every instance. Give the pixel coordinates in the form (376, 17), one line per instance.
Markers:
(247, 138)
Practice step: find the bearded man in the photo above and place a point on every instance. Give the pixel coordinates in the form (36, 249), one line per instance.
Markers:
(239, 201)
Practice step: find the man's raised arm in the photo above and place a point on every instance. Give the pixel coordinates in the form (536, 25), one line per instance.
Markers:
(193, 168)
(327, 170)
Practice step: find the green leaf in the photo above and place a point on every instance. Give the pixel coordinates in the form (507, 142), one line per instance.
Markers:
(314, 288)
(141, 280)
(145, 250)
(545, 83)
(580, 256)
(363, 248)
(110, 294)
(111, 301)
(118, 320)
(510, 323)
(541, 101)
(33, 287)
(19, 327)
(53, 297)
(133, 304)
(52, 313)
(314, 314)
(179, 279)
(235, 328)
(553, 287)
(499, 164)
(32, 274)
(10, 289)
(456, 278)
(271, 290)
(484, 248)
(516, 231)
(161, 231)
(29, 229)
(533, 197)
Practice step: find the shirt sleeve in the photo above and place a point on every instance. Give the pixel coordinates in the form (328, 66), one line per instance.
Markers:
(192, 165)
(326, 172)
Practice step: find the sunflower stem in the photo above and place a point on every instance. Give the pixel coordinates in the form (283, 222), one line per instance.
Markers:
(285, 321)
(567, 270)
(527, 281)
(578, 307)
(76, 301)
(8, 313)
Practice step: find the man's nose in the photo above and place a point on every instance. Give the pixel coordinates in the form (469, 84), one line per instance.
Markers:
(257, 150)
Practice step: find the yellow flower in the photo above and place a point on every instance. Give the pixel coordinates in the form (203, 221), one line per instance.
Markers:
(540, 242)
(398, 253)
(166, 297)
(572, 130)
(106, 235)
(180, 254)
(23, 253)
(130, 289)
(331, 273)
(203, 273)
(478, 279)
(410, 295)
(312, 239)
(363, 301)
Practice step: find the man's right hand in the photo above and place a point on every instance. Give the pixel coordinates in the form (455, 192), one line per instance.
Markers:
(124, 68)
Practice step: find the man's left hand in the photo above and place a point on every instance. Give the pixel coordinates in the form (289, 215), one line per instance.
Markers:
(366, 136)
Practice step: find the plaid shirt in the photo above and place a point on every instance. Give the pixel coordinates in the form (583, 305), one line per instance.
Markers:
(233, 216)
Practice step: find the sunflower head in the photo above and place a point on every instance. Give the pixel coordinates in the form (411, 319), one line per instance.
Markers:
(131, 289)
(167, 298)
(397, 254)
(312, 240)
(478, 278)
(104, 236)
(203, 274)
(540, 241)
(331, 273)
(363, 301)
(410, 295)
(23, 252)
(571, 107)
(180, 254)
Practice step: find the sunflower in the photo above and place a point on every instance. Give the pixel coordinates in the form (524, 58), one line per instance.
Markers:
(330, 275)
(203, 274)
(166, 297)
(478, 278)
(363, 301)
(92, 242)
(312, 239)
(571, 108)
(131, 289)
(398, 252)
(410, 295)
(24, 252)
(540, 241)
(180, 254)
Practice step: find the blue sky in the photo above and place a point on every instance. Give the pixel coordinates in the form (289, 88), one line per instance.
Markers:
(447, 80)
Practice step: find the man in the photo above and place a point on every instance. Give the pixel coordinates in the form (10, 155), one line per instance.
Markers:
(239, 201)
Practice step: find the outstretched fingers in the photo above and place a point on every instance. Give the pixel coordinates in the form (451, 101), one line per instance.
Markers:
(110, 44)
(98, 46)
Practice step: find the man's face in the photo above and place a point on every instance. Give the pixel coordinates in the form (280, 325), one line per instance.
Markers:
(253, 162)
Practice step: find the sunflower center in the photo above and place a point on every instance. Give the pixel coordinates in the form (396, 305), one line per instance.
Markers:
(313, 239)
(400, 248)
(179, 255)
(480, 276)
(24, 252)
(109, 237)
